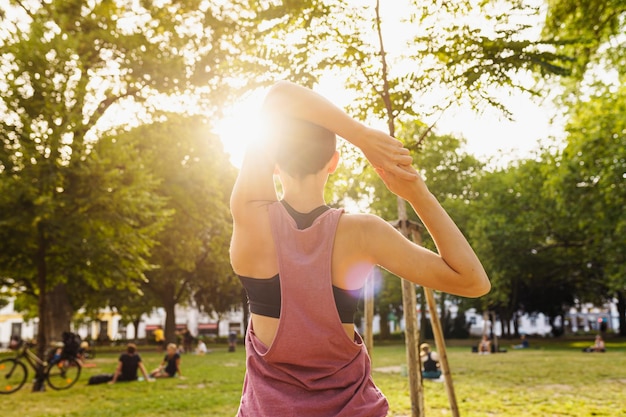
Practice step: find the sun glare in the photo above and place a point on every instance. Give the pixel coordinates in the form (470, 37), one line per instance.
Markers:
(241, 124)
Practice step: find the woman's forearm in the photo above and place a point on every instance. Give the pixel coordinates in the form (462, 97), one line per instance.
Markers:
(381, 150)
(286, 98)
(451, 244)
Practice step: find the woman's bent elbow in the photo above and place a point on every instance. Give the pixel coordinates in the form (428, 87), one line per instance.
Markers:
(480, 286)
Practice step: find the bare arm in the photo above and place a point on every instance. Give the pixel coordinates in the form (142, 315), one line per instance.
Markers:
(144, 372)
(255, 184)
(455, 268)
(117, 373)
(382, 150)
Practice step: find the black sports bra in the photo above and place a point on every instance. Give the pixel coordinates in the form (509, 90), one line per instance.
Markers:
(264, 294)
(264, 298)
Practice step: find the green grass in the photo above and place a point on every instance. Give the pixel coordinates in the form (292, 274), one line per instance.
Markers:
(554, 379)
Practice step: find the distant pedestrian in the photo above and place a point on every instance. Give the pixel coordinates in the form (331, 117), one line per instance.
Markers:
(232, 341)
(187, 339)
(159, 338)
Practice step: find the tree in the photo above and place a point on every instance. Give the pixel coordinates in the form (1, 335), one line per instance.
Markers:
(67, 67)
(95, 230)
(589, 31)
(591, 162)
(191, 259)
(589, 187)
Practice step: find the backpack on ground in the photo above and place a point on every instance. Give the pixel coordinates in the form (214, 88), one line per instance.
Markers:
(100, 379)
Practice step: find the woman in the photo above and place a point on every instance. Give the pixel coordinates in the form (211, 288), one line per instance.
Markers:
(170, 365)
(302, 262)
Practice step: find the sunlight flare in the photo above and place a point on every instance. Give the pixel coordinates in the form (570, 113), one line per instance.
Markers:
(242, 123)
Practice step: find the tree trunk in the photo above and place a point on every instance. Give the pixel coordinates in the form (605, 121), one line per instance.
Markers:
(505, 323)
(59, 313)
(423, 319)
(170, 320)
(444, 321)
(383, 311)
(368, 313)
(556, 331)
(136, 322)
(441, 349)
(516, 325)
(40, 261)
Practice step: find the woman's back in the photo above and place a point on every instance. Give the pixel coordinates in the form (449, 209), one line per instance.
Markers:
(301, 152)
(315, 369)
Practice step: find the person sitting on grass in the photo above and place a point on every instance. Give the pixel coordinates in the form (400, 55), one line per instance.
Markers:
(484, 347)
(127, 366)
(201, 349)
(598, 345)
(430, 362)
(170, 365)
(524, 344)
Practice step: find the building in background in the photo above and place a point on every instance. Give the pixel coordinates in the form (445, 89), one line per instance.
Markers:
(108, 326)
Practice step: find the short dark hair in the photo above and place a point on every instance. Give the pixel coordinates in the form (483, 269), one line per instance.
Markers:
(303, 148)
(131, 348)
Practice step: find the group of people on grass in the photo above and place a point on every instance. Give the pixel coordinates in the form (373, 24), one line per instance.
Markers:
(130, 364)
(485, 346)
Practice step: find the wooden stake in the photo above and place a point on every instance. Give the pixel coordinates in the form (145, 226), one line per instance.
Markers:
(414, 364)
(441, 350)
(439, 339)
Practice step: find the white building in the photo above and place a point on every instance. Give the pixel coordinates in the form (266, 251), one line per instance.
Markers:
(108, 325)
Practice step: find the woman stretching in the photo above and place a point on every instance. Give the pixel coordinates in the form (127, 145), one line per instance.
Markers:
(302, 263)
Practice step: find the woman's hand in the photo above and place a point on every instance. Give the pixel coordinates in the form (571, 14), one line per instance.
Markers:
(409, 188)
(387, 154)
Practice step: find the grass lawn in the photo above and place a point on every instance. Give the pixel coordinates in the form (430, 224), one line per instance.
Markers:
(552, 379)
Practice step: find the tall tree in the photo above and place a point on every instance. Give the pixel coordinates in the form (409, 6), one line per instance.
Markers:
(594, 31)
(589, 186)
(70, 71)
(191, 259)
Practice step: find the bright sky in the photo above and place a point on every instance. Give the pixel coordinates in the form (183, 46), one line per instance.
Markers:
(487, 135)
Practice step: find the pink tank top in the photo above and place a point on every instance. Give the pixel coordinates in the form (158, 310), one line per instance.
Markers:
(312, 368)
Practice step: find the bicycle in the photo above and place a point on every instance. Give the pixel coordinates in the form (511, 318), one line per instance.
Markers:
(61, 372)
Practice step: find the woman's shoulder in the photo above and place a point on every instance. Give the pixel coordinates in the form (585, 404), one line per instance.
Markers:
(359, 233)
(363, 225)
(356, 220)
